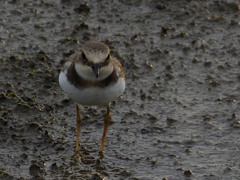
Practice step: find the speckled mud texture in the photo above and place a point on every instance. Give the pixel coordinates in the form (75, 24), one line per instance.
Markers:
(179, 117)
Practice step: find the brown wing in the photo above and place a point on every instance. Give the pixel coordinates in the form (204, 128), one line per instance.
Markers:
(118, 66)
(74, 57)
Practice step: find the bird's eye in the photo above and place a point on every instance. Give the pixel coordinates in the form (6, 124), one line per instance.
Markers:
(84, 58)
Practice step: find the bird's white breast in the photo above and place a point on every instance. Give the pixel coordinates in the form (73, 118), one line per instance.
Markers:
(92, 95)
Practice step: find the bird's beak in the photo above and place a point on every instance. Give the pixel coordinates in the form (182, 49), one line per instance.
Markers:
(95, 68)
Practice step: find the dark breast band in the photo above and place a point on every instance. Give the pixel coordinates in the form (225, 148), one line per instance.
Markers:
(79, 82)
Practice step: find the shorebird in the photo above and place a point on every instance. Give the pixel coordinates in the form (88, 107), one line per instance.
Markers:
(91, 76)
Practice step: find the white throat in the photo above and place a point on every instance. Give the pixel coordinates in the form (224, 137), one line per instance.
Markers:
(87, 73)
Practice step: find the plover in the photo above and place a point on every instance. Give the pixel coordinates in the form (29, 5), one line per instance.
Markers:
(91, 76)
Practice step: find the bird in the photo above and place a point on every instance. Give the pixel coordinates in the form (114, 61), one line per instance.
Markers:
(92, 77)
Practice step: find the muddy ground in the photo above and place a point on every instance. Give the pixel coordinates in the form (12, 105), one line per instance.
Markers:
(178, 118)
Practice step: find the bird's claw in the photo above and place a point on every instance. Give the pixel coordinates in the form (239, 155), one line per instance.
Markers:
(77, 155)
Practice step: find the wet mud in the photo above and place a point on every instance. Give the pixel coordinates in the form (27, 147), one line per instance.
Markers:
(178, 118)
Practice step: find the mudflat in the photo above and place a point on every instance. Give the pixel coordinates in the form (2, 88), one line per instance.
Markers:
(178, 118)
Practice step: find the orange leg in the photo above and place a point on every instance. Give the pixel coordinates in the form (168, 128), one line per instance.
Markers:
(77, 153)
(106, 125)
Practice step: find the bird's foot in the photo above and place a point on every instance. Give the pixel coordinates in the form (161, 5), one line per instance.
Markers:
(101, 154)
(77, 155)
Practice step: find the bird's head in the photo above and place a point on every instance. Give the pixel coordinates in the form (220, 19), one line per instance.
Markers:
(94, 62)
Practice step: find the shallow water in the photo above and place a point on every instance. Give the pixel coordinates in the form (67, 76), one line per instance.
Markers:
(178, 118)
